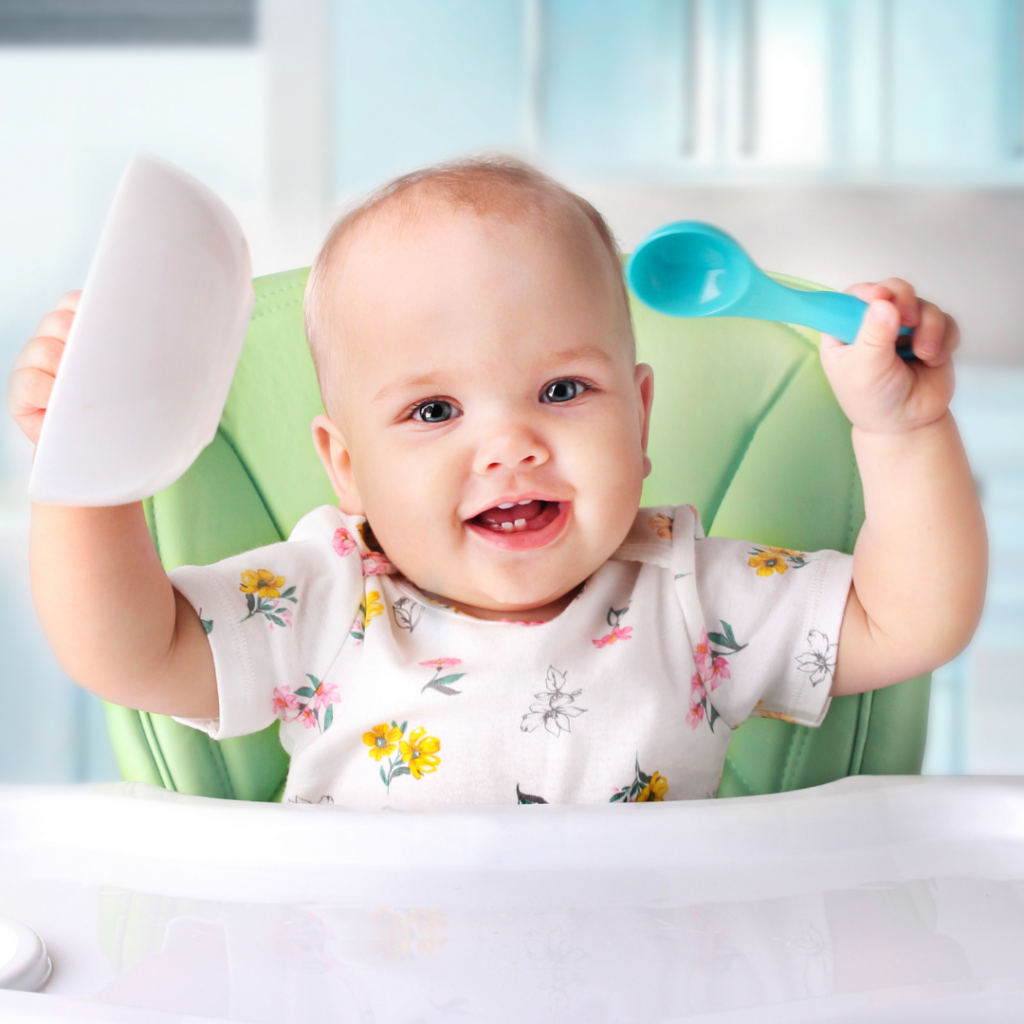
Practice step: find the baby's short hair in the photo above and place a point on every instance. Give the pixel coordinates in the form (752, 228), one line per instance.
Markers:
(498, 185)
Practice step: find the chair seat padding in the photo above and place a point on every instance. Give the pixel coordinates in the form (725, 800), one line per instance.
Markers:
(745, 427)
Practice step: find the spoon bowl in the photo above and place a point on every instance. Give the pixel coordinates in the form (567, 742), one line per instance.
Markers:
(692, 269)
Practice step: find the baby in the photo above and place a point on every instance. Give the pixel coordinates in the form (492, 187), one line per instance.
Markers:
(514, 627)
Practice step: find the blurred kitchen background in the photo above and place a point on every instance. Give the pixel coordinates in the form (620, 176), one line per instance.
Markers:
(840, 140)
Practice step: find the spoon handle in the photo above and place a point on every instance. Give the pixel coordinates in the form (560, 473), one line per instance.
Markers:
(834, 313)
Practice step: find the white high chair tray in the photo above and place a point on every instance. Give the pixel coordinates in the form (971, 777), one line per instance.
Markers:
(870, 899)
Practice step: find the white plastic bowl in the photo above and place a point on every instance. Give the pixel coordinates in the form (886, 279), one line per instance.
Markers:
(154, 345)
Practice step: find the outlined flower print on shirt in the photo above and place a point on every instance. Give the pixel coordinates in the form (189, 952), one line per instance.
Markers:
(555, 707)
(619, 632)
(307, 703)
(768, 561)
(263, 596)
(642, 789)
(712, 670)
(369, 608)
(407, 613)
(819, 660)
(439, 682)
(417, 755)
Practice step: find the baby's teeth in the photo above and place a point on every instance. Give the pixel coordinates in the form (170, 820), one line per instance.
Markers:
(519, 523)
(506, 504)
(527, 502)
(506, 526)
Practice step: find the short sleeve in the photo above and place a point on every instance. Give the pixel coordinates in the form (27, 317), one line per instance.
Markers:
(770, 620)
(274, 617)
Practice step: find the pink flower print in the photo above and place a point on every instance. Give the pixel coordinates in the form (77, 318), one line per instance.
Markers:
(343, 542)
(522, 622)
(306, 717)
(324, 695)
(695, 715)
(618, 633)
(376, 564)
(702, 653)
(719, 672)
(286, 704)
(697, 691)
(442, 662)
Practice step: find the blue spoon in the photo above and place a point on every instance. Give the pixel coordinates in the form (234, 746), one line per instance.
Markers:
(692, 269)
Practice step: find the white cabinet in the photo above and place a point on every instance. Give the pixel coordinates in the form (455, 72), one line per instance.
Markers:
(892, 90)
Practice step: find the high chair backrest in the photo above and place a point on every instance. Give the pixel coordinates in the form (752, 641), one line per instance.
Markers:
(745, 427)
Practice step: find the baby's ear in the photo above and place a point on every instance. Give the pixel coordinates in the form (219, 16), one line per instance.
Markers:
(332, 448)
(643, 381)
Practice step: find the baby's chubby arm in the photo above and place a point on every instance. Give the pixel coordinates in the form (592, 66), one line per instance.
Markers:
(114, 621)
(921, 559)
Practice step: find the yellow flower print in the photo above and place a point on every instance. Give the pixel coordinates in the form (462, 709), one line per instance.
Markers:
(654, 790)
(661, 524)
(262, 583)
(419, 752)
(371, 607)
(263, 596)
(643, 789)
(410, 933)
(768, 560)
(382, 740)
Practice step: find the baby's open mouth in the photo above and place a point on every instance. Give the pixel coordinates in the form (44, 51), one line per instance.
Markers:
(517, 517)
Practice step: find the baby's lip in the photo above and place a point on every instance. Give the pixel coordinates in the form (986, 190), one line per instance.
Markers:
(540, 526)
(514, 499)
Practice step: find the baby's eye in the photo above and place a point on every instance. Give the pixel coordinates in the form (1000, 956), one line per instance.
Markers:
(563, 390)
(437, 410)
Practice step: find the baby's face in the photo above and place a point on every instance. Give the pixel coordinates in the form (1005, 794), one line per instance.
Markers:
(492, 423)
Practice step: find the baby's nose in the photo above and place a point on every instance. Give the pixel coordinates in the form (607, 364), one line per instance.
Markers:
(511, 446)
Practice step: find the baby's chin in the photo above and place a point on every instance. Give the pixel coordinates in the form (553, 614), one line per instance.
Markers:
(515, 606)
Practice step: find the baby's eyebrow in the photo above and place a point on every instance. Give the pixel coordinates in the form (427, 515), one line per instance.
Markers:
(582, 353)
(424, 381)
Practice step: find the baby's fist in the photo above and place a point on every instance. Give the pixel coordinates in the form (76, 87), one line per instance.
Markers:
(32, 376)
(877, 389)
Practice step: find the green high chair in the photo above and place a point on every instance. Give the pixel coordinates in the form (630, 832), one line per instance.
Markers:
(745, 427)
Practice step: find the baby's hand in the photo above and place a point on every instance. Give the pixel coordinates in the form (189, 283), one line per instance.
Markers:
(879, 391)
(31, 379)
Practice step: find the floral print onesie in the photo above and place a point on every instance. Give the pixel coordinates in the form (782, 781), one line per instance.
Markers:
(386, 697)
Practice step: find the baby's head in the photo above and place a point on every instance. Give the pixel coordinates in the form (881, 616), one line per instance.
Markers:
(485, 412)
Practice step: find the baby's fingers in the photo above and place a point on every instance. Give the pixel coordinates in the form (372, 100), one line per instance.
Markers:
(895, 290)
(879, 329)
(28, 395)
(43, 352)
(937, 336)
(31, 379)
(904, 298)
